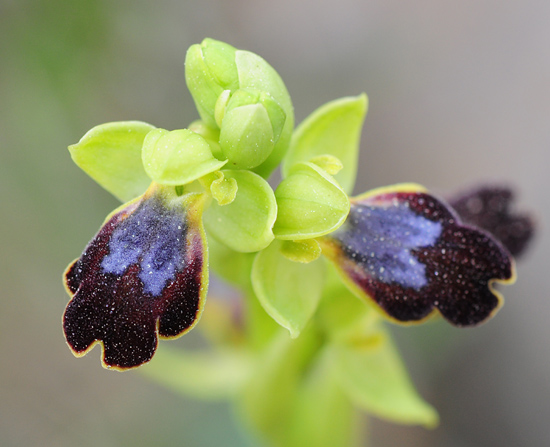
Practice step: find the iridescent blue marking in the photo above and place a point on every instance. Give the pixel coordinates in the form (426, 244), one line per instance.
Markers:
(381, 240)
(153, 237)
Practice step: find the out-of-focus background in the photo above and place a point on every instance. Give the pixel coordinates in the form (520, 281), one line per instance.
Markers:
(459, 94)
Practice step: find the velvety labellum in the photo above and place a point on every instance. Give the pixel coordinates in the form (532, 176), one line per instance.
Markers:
(488, 207)
(409, 253)
(142, 276)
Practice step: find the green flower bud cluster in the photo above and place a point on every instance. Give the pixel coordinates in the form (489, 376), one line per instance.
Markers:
(239, 95)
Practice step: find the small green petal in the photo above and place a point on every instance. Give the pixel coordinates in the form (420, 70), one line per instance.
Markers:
(288, 291)
(224, 190)
(221, 104)
(256, 73)
(335, 129)
(310, 204)
(374, 377)
(177, 157)
(328, 163)
(111, 154)
(305, 251)
(204, 375)
(246, 224)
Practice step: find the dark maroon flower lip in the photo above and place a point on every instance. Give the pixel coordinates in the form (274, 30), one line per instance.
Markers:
(143, 276)
(488, 207)
(409, 253)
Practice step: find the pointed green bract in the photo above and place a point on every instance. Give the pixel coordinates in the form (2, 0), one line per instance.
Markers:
(305, 251)
(177, 157)
(322, 414)
(310, 203)
(111, 154)
(374, 377)
(288, 291)
(246, 224)
(333, 129)
(268, 398)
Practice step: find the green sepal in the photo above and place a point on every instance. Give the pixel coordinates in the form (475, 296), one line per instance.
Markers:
(246, 224)
(310, 203)
(202, 374)
(371, 372)
(111, 154)
(209, 70)
(288, 291)
(305, 251)
(334, 129)
(177, 157)
(255, 73)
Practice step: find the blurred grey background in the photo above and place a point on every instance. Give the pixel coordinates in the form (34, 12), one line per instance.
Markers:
(459, 94)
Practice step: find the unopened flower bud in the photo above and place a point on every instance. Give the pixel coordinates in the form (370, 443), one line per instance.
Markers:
(251, 126)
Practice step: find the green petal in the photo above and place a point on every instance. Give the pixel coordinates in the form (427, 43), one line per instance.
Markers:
(256, 73)
(288, 291)
(245, 224)
(374, 377)
(334, 129)
(111, 154)
(201, 374)
(310, 203)
(177, 157)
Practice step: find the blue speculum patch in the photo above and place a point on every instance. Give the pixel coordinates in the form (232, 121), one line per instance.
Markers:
(142, 276)
(409, 253)
(381, 240)
(153, 238)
